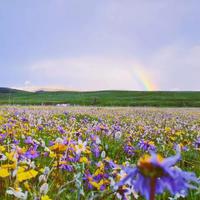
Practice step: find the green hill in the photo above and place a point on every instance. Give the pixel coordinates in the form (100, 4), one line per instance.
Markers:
(101, 98)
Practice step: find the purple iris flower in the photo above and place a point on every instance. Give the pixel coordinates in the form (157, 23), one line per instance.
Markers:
(154, 174)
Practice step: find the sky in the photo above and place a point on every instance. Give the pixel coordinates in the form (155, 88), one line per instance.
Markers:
(100, 44)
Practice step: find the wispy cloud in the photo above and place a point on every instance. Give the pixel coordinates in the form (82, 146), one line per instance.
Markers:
(91, 73)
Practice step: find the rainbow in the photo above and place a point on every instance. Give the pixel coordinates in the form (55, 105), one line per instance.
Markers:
(144, 80)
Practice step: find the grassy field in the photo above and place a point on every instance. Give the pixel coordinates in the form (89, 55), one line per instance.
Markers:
(101, 98)
(83, 153)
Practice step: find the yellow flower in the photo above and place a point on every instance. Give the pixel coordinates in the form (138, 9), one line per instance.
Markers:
(97, 185)
(26, 175)
(45, 197)
(4, 173)
(147, 168)
(84, 160)
(9, 166)
(27, 187)
(52, 154)
(20, 169)
(10, 156)
(151, 143)
(2, 148)
(58, 148)
(167, 129)
(178, 133)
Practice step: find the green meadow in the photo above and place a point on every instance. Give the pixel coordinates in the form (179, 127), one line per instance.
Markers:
(102, 98)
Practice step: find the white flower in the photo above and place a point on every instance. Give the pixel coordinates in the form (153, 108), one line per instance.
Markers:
(2, 157)
(98, 141)
(18, 193)
(106, 146)
(81, 147)
(129, 191)
(59, 140)
(44, 188)
(46, 170)
(118, 135)
(32, 165)
(103, 154)
(42, 178)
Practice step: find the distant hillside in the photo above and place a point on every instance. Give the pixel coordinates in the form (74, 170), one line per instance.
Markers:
(9, 90)
(101, 98)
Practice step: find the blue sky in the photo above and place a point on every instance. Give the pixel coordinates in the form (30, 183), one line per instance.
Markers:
(93, 45)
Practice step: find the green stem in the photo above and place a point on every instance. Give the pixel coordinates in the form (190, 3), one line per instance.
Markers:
(153, 188)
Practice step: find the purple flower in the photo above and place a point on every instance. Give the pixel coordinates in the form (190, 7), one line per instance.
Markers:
(154, 174)
(2, 137)
(28, 140)
(129, 150)
(66, 167)
(24, 119)
(146, 145)
(88, 178)
(95, 150)
(40, 128)
(197, 143)
(32, 153)
(61, 130)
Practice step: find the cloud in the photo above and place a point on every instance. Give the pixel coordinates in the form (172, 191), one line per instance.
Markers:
(179, 67)
(172, 67)
(89, 73)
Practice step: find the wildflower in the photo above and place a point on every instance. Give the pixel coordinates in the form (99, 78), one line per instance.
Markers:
(154, 174)
(118, 135)
(32, 153)
(2, 157)
(61, 130)
(4, 173)
(146, 145)
(28, 140)
(18, 193)
(26, 175)
(44, 188)
(103, 154)
(129, 149)
(98, 185)
(2, 148)
(124, 192)
(95, 150)
(58, 148)
(45, 197)
(197, 143)
(84, 160)
(2, 137)
(81, 146)
(95, 139)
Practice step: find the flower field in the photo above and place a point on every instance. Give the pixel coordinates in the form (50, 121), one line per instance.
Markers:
(99, 153)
